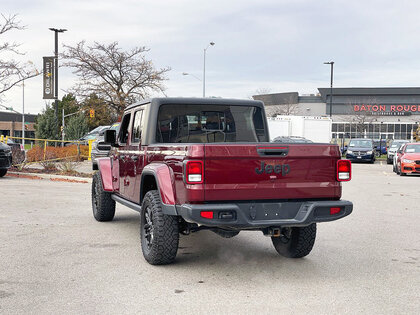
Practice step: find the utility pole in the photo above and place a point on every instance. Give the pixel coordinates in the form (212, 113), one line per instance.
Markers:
(204, 69)
(56, 31)
(331, 83)
(23, 114)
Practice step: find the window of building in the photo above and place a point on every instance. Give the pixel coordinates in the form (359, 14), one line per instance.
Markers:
(383, 127)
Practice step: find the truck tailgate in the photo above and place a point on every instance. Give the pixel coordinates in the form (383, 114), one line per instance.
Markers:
(270, 171)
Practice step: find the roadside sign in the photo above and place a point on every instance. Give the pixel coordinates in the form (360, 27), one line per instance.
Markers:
(48, 78)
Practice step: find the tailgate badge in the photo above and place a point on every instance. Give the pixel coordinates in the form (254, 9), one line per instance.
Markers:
(282, 169)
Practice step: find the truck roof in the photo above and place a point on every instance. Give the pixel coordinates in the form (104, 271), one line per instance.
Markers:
(196, 100)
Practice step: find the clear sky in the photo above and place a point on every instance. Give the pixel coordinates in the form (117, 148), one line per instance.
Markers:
(278, 45)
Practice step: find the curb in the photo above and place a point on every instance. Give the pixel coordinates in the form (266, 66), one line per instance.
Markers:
(53, 177)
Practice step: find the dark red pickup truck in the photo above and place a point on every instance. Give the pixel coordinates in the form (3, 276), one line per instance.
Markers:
(188, 164)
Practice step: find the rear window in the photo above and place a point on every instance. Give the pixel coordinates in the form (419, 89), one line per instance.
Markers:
(210, 123)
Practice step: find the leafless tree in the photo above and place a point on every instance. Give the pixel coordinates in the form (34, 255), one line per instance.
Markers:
(290, 107)
(361, 118)
(119, 77)
(12, 72)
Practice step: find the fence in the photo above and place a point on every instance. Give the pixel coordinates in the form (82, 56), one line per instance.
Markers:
(43, 153)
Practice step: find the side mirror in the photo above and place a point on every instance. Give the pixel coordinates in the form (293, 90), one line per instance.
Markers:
(110, 137)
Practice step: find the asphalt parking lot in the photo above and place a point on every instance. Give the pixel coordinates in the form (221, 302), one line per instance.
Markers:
(55, 258)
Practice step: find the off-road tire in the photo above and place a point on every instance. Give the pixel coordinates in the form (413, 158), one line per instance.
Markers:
(102, 204)
(300, 242)
(225, 233)
(159, 233)
(3, 172)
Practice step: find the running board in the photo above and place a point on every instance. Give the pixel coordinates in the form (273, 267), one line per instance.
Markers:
(126, 203)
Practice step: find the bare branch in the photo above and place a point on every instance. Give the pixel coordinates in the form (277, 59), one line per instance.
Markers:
(117, 76)
(13, 72)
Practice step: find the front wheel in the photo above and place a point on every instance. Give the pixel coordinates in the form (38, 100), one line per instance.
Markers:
(159, 233)
(3, 172)
(295, 242)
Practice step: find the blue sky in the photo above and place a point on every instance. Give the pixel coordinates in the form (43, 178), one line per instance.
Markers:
(277, 45)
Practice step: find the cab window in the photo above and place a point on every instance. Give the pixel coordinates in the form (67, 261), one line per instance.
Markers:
(136, 131)
(123, 135)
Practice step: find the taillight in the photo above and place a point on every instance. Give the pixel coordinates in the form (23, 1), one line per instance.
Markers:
(194, 172)
(343, 170)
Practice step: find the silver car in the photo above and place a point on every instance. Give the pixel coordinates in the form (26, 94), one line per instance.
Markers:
(393, 147)
(96, 152)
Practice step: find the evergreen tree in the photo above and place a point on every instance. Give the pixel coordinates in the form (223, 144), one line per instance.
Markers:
(45, 127)
(76, 127)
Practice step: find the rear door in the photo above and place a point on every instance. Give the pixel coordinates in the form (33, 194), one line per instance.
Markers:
(123, 153)
(270, 171)
(136, 158)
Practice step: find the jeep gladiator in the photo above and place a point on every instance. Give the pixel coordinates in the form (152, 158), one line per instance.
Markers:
(189, 164)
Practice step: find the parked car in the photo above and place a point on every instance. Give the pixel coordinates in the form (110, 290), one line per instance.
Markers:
(5, 158)
(361, 150)
(380, 147)
(18, 152)
(99, 148)
(192, 164)
(396, 156)
(408, 162)
(393, 147)
(292, 139)
(93, 134)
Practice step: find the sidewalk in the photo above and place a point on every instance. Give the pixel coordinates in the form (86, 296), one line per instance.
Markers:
(82, 167)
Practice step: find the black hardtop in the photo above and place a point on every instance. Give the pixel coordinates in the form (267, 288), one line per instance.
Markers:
(156, 102)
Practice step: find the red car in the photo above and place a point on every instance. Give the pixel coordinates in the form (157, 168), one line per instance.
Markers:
(408, 160)
(190, 164)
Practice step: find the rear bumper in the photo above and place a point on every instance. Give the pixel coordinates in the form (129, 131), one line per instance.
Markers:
(261, 215)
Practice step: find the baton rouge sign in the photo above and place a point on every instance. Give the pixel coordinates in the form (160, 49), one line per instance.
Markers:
(387, 108)
(283, 169)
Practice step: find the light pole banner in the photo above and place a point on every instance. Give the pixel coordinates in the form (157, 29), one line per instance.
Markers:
(48, 78)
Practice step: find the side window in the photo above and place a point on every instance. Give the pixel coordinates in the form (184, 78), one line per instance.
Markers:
(136, 132)
(123, 135)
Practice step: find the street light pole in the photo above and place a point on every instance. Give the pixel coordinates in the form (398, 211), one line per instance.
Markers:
(23, 113)
(331, 83)
(204, 69)
(56, 31)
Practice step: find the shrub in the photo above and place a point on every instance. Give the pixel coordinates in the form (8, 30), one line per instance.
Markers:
(36, 154)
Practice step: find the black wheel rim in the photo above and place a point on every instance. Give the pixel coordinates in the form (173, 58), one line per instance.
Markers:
(148, 228)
